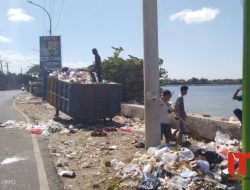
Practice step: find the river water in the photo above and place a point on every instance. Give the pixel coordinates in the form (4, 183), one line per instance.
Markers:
(214, 100)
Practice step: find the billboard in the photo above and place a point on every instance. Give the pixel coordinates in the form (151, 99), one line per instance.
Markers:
(50, 52)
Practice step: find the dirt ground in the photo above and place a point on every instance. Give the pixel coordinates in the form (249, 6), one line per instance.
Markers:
(87, 156)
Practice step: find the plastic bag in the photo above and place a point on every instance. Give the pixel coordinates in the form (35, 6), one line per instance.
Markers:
(178, 183)
(148, 182)
(221, 138)
(169, 158)
(204, 166)
(152, 150)
(186, 155)
(159, 153)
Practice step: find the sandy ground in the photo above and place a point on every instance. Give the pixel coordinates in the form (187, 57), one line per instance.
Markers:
(88, 157)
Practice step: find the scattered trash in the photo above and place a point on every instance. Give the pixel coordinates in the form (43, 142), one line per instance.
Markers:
(204, 166)
(81, 76)
(113, 147)
(198, 165)
(98, 133)
(211, 157)
(149, 182)
(69, 174)
(44, 128)
(177, 167)
(186, 155)
(140, 145)
(43, 140)
(221, 138)
(178, 182)
(108, 164)
(36, 131)
(127, 128)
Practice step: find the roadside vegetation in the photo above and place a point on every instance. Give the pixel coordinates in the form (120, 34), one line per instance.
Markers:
(129, 73)
(11, 81)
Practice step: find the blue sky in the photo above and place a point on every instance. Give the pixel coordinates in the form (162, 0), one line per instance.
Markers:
(197, 38)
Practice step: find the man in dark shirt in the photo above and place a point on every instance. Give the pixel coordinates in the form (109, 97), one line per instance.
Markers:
(181, 113)
(96, 67)
(238, 112)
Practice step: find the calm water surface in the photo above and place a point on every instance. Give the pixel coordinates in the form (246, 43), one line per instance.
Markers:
(213, 100)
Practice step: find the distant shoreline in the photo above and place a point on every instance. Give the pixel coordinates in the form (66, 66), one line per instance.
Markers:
(200, 84)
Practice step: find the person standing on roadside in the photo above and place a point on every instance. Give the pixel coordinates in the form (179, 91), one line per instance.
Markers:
(181, 113)
(96, 67)
(236, 96)
(165, 110)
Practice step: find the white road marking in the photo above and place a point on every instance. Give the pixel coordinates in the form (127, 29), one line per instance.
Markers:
(42, 177)
(40, 166)
(23, 114)
(12, 160)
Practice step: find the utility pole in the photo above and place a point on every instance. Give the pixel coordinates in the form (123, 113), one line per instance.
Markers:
(1, 64)
(246, 92)
(151, 74)
(7, 66)
(21, 70)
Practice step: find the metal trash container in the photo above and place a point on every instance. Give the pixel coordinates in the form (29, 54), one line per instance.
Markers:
(84, 101)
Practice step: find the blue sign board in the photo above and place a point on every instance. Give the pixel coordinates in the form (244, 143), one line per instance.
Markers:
(50, 52)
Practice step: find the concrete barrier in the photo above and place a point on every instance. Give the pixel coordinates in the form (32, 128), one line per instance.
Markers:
(202, 126)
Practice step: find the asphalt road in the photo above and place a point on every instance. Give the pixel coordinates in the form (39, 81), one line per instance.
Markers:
(25, 162)
(7, 111)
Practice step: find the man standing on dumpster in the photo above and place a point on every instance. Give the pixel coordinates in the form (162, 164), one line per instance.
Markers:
(96, 67)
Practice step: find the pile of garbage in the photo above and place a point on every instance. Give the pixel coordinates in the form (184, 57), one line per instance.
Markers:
(80, 76)
(43, 128)
(176, 167)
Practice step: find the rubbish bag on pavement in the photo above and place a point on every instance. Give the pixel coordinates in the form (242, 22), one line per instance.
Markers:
(148, 182)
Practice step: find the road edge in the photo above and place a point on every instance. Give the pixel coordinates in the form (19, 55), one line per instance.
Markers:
(42, 177)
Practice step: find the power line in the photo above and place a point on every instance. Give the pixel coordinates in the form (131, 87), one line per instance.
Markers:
(59, 16)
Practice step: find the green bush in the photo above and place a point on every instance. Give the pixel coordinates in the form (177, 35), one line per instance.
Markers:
(127, 72)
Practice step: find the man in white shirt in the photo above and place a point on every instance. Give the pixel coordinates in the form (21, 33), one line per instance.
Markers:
(165, 109)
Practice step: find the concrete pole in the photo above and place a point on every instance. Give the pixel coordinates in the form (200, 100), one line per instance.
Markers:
(1, 64)
(151, 73)
(7, 66)
(246, 92)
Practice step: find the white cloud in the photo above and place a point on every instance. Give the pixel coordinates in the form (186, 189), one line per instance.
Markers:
(18, 60)
(18, 15)
(4, 39)
(75, 64)
(198, 16)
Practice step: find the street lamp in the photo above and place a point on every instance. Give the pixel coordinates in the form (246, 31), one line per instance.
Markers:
(50, 29)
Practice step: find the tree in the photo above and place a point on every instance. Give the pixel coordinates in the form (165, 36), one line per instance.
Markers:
(129, 73)
(2, 81)
(34, 71)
